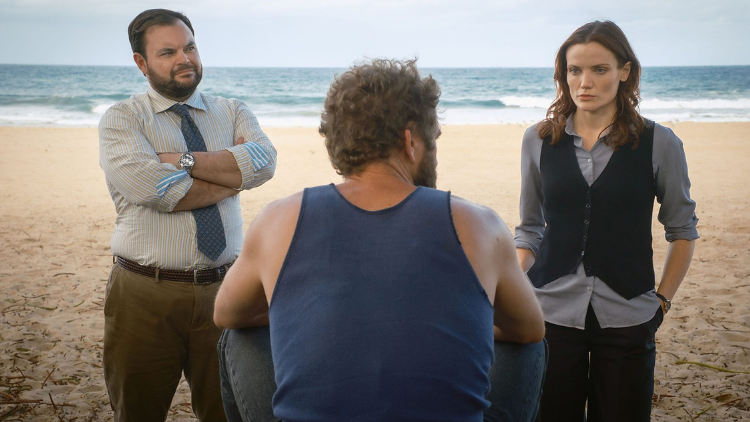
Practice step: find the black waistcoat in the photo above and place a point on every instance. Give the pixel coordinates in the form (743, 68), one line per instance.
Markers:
(607, 226)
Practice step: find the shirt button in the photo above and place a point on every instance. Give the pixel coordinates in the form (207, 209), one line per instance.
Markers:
(588, 269)
(585, 221)
(584, 237)
(588, 289)
(582, 252)
(588, 205)
(589, 160)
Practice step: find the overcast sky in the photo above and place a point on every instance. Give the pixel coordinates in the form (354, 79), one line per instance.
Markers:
(335, 33)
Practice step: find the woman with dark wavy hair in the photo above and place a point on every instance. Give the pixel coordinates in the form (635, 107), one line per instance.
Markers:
(590, 173)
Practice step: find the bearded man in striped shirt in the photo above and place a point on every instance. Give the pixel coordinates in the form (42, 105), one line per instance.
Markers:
(175, 161)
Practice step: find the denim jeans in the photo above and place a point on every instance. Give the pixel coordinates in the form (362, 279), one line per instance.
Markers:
(248, 385)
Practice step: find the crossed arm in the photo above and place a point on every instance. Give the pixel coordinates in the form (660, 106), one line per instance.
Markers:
(215, 176)
(139, 174)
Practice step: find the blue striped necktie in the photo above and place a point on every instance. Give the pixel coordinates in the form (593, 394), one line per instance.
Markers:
(209, 228)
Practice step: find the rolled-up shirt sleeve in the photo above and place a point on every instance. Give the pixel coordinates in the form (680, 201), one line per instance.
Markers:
(256, 157)
(132, 166)
(530, 230)
(677, 210)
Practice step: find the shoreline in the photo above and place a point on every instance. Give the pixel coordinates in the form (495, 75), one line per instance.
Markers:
(56, 220)
(668, 123)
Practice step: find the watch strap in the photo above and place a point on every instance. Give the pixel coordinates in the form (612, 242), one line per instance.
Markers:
(667, 303)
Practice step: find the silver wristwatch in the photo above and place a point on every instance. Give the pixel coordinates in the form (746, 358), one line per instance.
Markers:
(186, 162)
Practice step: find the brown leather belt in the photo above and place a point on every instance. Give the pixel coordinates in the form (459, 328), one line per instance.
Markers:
(196, 276)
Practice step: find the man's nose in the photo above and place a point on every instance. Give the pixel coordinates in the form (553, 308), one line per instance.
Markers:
(183, 57)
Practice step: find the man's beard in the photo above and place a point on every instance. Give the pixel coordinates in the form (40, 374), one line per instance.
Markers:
(171, 88)
(427, 171)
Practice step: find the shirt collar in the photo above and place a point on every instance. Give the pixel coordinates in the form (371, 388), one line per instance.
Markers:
(160, 103)
(569, 126)
(570, 130)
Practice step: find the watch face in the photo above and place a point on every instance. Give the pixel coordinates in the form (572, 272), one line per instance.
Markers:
(187, 160)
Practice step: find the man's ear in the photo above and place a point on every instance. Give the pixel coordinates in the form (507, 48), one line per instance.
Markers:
(409, 144)
(140, 61)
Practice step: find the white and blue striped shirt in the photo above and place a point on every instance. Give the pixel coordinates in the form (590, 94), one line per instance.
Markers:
(145, 191)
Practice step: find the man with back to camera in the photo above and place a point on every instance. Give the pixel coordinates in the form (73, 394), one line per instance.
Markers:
(174, 161)
(381, 288)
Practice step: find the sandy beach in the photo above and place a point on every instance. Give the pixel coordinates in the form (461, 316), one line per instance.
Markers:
(56, 219)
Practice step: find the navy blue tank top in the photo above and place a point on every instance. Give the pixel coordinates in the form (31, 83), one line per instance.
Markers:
(379, 316)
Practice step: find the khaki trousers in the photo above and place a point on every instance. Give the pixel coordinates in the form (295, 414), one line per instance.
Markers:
(153, 331)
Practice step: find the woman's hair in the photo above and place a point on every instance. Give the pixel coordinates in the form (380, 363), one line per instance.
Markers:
(369, 106)
(627, 124)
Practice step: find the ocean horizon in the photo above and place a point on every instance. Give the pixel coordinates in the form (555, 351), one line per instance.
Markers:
(77, 96)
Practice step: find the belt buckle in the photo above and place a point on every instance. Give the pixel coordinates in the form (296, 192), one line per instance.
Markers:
(195, 279)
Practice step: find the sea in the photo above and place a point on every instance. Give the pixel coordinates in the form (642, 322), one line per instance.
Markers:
(77, 96)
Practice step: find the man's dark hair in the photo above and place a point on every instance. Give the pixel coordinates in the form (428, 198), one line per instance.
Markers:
(147, 19)
(369, 107)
